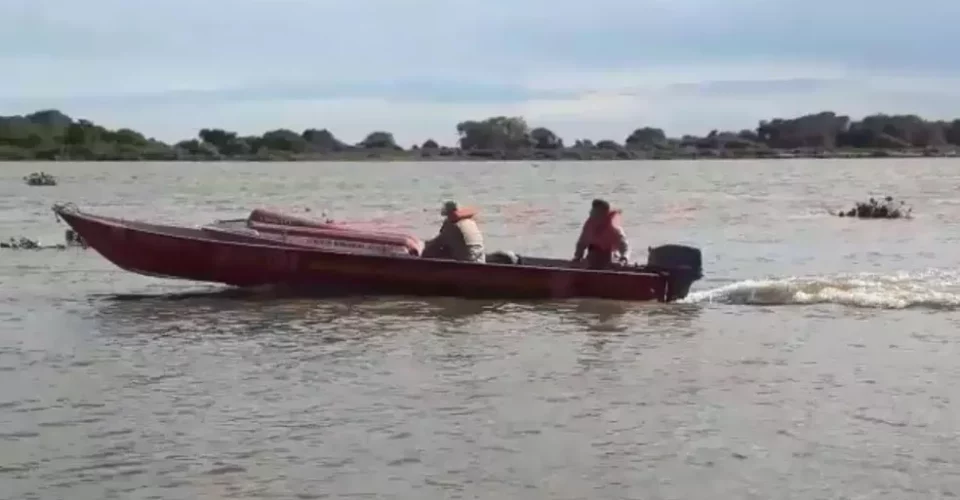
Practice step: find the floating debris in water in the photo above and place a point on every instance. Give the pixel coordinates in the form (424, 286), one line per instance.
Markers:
(20, 244)
(40, 179)
(873, 209)
(23, 243)
(74, 240)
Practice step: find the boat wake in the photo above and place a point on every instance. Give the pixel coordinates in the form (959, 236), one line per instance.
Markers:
(934, 289)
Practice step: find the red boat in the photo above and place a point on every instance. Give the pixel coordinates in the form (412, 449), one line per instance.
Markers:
(199, 254)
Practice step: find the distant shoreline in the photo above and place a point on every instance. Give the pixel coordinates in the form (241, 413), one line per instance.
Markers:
(50, 135)
(373, 156)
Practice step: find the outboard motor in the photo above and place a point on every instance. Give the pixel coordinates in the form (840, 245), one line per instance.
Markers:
(684, 265)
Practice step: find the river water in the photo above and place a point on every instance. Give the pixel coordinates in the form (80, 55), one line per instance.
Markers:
(817, 359)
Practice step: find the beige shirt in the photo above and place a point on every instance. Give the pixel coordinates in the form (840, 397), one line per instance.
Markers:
(463, 240)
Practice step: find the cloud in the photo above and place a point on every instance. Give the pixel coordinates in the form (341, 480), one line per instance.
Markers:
(417, 67)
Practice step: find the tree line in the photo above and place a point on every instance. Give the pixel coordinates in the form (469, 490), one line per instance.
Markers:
(52, 135)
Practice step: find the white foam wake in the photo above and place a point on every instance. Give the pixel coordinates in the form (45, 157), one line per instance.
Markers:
(930, 289)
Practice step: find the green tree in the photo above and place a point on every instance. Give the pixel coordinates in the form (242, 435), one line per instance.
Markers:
(497, 133)
(219, 138)
(78, 134)
(645, 137)
(226, 142)
(379, 140)
(127, 137)
(322, 140)
(544, 138)
(284, 140)
(608, 145)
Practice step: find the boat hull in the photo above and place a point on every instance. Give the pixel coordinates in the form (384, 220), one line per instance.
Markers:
(193, 254)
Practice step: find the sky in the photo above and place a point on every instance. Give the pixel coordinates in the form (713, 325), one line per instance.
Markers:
(586, 69)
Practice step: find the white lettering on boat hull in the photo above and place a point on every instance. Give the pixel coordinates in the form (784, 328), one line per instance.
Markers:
(329, 244)
(348, 246)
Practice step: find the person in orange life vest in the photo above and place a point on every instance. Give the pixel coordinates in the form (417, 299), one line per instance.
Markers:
(601, 236)
(459, 237)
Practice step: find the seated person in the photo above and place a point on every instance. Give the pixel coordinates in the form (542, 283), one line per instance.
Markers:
(601, 236)
(459, 237)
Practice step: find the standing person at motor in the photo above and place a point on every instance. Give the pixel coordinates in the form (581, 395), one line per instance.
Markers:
(459, 237)
(601, 236)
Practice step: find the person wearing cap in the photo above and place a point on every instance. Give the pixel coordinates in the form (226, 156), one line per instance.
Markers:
(601, 236)
(459, 237)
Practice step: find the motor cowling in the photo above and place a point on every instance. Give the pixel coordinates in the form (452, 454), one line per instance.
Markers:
(676, 258)
(683, 264)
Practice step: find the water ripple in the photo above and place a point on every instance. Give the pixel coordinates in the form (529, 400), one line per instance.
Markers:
(119, 386)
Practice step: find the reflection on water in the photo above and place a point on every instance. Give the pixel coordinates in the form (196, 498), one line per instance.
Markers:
(244, 305)
(244, 311)
(612, 316)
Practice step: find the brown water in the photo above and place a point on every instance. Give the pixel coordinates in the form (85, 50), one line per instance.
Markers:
(816, 359)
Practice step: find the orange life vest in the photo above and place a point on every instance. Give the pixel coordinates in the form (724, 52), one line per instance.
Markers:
(461, 213)
(602, 233)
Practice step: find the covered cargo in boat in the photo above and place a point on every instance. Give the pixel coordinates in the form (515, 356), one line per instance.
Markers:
(278, 228)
